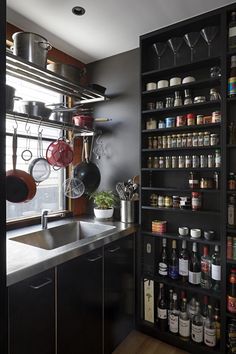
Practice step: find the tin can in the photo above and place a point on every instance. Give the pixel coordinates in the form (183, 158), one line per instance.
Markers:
(159, 226)
(195, 161)
(180, 121)
(190, 119)
(216, 117)
(168, 202)
(174, 162)
(199, 119)
(161, 124)
(170, 122)
(181, 161)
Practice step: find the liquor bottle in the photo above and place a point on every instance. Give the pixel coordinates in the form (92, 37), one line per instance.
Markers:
(232, 77)
(205, 308)
(174, 316)
(197, 326)
(163, 264)
(184, 321)
(162, 310)
(210, 329)
(183, 262)
(231, 296)
(170, 304)
(194, 274)
(216, 269)
(232, 31)
(173, 262)
(192, 308)
(205, 269)
(217, 321)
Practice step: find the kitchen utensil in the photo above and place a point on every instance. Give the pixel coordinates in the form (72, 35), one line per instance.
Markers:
(59, 153)
(120, 188)
(10, 98)
(70, 72)
(61, 113)
(73, 187)
(175, 43)
(191, 40)
(26, 154)
(34, 108)
(159, 48)
(87, 171)
(20, 185)
(209, 33)
(39, 168)
(83, 121)
(32, 47)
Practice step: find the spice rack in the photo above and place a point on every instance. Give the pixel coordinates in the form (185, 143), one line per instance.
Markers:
(174, 181)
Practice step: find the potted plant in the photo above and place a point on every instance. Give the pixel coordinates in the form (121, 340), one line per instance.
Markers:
(105, 202)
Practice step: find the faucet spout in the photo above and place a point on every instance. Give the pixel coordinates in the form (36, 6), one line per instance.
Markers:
(45, 216)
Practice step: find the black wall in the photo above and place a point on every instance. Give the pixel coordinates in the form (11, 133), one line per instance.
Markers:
(120, 75)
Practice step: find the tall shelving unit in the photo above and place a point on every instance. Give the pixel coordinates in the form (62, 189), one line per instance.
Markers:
(174, 181)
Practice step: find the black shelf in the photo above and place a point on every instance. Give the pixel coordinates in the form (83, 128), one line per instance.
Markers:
(178, 210)
(231, 315)
(231, 99)
(187, 107)
(183, 128)
(174, 236)
(231, 231)
(181, 169)
(184, 148)
(180, 190)
(178, 68)
(196, 84)
(231, 146)
(231, 261)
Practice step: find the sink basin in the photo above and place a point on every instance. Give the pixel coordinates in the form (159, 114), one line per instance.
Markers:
(62, 235)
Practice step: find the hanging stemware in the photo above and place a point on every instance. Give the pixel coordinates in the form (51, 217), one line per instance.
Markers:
(191, 40)
(175, 44)
(209, 34)
(159, 48)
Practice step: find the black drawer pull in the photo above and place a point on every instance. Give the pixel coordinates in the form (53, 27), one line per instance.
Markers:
(36, 287)
(114, 249)
(94, 259)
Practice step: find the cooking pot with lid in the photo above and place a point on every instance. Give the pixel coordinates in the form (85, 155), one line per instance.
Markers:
(32, 47)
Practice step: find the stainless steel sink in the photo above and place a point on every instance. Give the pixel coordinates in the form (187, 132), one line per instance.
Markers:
(62, 235)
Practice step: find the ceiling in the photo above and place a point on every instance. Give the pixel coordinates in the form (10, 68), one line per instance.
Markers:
(108, 27)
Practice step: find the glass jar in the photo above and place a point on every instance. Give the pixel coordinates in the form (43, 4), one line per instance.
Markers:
(153, 200)
(210, 161)
(214, 139)
(180, 121)
(187, 97)
(188, 161)
(164, 142)
(158, 143)
(181, 161)
(161, 201)
(190, 119)
(195, 139)
(216, 117)
(149, 162)
(196, 201)
(155, 142)
(195, 161)
(174, 141)
(178, 100)
(199, 119)
(206, 139)
(200, 139)
(217, 159)
(193, 180)
(231, 181)
(184, 140)
(203, 183)
(174, 162)
(232, 210)
(155, 162)
(168, 162)
(161, 124)
(149, 142)
(161, 162)
(176, 201)
(203, 161)
(189, 140)
(151, 124)
(179, 141)
(169, 102)
(169, 141)
(168, 202)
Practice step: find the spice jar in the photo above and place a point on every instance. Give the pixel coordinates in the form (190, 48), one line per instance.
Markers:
(174, 141)
(195, 139)
(178, 100)
(232, 210)
(168, 162)
(214, 139)
(203, 161)
(159, 105)
(203, 183)
(170, 122)
(199, 119)
(206, 139)
(158, 143)
(155, 162)
(164, 142)
(150, 105)
(155, 142)
(189, 140)
(149, 162)
(168, 201)
(231, 181)
(179, 141)
(190, 119)
(216, 180)
(149, 142)
(217, 158)
(169, 102)
(195, 161)
(188, 161)
(153, 200)
(161, 162)
(176, 201)
(161, 124)
(196, 201)
(200, 139)
(180, 121)
(160, 201)
(193, 180)
(216, 117)
(181, 161)
(174, 162)
(210, 160)
(169, 141)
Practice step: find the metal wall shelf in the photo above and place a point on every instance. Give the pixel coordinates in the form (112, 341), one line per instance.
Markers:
(30, 72)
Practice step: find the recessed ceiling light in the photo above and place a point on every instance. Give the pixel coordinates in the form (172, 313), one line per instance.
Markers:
(78, 11)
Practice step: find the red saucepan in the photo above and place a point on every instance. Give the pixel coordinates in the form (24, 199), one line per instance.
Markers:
(20, 185)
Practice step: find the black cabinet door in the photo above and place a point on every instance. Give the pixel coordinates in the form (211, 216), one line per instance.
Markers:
(80, 305)
(118, 292)
(32, 315)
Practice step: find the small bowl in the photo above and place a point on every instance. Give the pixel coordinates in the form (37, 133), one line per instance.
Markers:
(209, 235)
(183, 231)
(188, 79)
(151, 86)
(162, 84)
(195, 233)
(175, 81)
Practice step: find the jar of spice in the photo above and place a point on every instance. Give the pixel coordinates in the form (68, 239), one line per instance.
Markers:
(164, 142)
(174, 162)
(160, 201)
(190, 119)
(196, 201)
(203, 161)
(184, 140)
(161, 124)
(210, 160)
(188, 161)
(168, 161)
(189, 140)
(180, 121)
(203, 183)
(232, 210)
(195, 161)
(153, 200)
(206, 139)
(169, 141)
(168, 201)
(174, 141)
(216, 117)
(155, 162)
(231, 181)
(155, 142)
(149, 162)
(176, 201)
(214, 139)
(161, 162)
(195, 139)
(200, 139)
(149, 142)
(170, 122)
(199, 119)
(179, 141)
(181, 161)
(217, 159)
(193, 180)
(158, 143)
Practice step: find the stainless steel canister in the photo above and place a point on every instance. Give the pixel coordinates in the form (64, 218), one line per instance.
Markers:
(127, 211)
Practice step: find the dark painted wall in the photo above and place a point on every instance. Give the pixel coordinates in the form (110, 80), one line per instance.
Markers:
(120, 75)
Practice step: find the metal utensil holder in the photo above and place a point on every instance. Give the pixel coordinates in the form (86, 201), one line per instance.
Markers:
(127, 211)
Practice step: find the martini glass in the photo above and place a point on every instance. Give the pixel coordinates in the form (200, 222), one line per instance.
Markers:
(191, 40)
(209, 34)
(160, 48)
(175, 44)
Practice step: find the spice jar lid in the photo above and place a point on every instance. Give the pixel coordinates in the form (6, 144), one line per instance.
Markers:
(190, 116)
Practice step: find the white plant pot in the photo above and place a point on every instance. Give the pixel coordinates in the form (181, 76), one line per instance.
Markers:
(103, 213)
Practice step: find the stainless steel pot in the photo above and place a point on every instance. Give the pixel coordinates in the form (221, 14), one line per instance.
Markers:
(32, 47)
(69, 72)
(34, 108)
(10, 98)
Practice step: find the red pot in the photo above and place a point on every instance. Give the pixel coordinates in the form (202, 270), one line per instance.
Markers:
(84, 121)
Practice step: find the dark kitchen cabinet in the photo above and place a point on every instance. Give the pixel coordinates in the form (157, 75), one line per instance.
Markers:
(118, 292)
(32, 315)
(79, 304)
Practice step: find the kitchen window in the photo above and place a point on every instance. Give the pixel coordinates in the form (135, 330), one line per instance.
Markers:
(49, 193)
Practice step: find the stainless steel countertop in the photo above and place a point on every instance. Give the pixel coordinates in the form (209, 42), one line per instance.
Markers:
(24, 260)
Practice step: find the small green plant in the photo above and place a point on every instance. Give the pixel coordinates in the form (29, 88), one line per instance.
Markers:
(103, 199)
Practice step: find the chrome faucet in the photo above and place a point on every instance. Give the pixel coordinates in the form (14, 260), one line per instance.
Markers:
(45, 217)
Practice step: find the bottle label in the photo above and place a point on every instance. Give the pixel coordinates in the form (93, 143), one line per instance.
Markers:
(184, 328)
(173, 272)
(174, 323)
(232, 86)
(163, 269)
(232, 31)
(210, 337)
(197, 333)
(231, 304)
(216, 272)
(162, 313)
(205, 267)
(194, 278)
(183, 267)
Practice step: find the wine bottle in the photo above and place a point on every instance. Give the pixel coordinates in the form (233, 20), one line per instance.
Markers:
(192, 309)
(232, 31)
(162, 310)
(163, 264)
(217, 321)
(197, 325)
(194, 274)
(184, 321)
(205, 308)
(170, 304)
(205, 269)
(183, 262)
(216, 269)
(174, 316)
(210, 329)
(173, 263)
